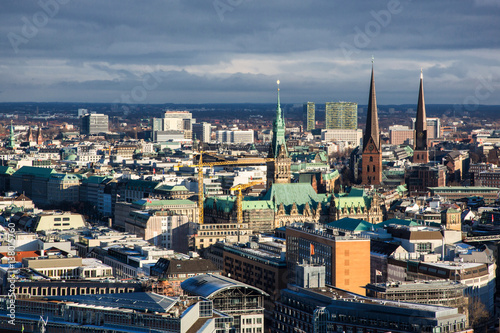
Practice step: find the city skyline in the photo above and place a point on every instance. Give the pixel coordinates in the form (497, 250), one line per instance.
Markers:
(233, 51)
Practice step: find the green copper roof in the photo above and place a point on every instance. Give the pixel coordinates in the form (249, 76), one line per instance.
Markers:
(331, 175)
(350, 224)
(278, 140)
(172, 188)
(6, 170)
(34, 171)
(409, 223)
(356, 199)
(402, 188)
(298, 193)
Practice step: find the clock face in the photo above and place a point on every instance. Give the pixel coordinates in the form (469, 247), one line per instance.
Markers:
(370, 147)
(420, 134)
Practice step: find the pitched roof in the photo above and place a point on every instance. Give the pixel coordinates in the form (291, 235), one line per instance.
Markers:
(351, 224)
(6, 170)
(372, 129)
(383, 247)
(34, 171)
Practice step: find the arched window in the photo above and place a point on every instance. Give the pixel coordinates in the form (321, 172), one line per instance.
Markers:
(371, 158)
(368, 168)
(374, 168)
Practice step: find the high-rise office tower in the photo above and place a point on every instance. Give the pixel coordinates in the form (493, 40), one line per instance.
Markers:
(372, 152)
(341, 115)
(202, 131)
(175, 121)
(420, 151)
(309, 116)
(94, 123)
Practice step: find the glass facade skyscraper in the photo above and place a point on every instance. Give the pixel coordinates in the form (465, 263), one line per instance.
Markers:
(309, 116)
(341, 115)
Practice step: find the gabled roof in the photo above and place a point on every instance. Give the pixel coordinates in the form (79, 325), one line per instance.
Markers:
(298, 193)
(34, 171)
(384, 248)
(208, 285)
(351, 224)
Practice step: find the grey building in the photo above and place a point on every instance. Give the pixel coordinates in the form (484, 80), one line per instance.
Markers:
(94, 123)
(202, 131)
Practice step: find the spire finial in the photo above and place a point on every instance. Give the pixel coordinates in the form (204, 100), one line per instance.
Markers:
(373, 59)
(278, 82)
(421, 73)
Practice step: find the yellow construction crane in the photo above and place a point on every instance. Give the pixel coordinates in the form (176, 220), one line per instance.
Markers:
(239, 199)
(200, 165)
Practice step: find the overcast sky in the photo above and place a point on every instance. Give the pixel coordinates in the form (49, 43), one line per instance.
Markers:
(206, 51)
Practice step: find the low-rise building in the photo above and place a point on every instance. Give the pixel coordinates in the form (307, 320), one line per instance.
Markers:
(243, 302)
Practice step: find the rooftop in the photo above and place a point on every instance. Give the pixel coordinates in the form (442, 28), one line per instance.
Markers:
(208, 285)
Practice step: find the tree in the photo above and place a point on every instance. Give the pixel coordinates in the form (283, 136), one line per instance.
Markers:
(478, 315)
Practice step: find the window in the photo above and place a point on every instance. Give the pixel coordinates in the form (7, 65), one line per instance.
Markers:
(57, 219)
(371, 158)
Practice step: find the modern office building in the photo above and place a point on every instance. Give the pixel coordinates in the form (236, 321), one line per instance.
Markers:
(346, 258)
(202, 131)
(327, 309)
(399, 134)
(309, 116)
(438, 292)
(243, 302)
(353, 137)
(433, 127)
(341, 115)
(235, 136)
(94, 123)
(173, 122)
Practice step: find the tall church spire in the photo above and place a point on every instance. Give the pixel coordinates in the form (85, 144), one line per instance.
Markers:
(372, 130)
(278, 130)
(11, 141)
(278, 170)
(421, 154)
(372, 154)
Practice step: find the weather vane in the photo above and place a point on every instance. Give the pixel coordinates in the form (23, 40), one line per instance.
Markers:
(278, 82)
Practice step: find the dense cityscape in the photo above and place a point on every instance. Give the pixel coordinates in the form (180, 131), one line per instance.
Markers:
(237, 166)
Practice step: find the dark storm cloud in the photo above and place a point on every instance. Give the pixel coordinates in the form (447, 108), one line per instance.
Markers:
(233, 51)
